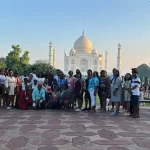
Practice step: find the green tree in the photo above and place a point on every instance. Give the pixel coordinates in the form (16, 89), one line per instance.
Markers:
(17, 62)
(41, 66)
(2, 62)
(144, 70)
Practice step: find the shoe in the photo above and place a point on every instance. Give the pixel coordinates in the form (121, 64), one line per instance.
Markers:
(78, 110)
(75, 106)
(112, 110)
(89, 108)
(126, 114)
(84, 109)
(9, 108)
(136, 116)
(114, 114)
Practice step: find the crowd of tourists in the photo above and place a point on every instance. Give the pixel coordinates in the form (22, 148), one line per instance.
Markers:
(58, 91)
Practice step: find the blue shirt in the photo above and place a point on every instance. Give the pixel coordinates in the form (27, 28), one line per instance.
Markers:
(38, 94)
(61, 82)
(93, 82)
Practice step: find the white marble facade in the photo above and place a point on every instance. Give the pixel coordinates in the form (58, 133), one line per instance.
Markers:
(83, 57)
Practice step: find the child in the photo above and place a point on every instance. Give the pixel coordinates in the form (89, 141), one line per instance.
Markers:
(127, 94)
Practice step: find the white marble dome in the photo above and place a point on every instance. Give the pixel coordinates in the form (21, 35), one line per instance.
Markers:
(72, 51)
(95, 51)
(83, 44)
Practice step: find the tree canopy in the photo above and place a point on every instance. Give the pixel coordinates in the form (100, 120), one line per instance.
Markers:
(2, 62)
(19, 62)
(15, 61)
(41, 67)
(144, 70)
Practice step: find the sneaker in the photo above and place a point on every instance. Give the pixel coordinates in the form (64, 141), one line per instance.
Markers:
(85, 109)
(126, 114)
(112, 110)
(78, 110)
(114, 114)
(9, 107)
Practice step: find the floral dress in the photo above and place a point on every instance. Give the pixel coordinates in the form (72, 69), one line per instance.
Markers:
(127, 94)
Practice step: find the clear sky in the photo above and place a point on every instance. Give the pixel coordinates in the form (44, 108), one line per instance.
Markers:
(33, 23)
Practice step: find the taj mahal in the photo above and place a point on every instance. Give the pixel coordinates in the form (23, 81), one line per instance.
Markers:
(83, 57)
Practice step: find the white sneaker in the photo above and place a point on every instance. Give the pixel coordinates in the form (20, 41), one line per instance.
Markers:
(8, 107)
(78, 110)
(75, 107)
(126, 114)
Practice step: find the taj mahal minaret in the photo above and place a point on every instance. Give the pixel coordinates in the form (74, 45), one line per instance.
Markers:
(54, 58)
(52, 55)
(106, 61)
(119, 58)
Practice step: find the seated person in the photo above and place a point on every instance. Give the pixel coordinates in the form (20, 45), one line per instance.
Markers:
(47, 89)
(25, 99)
(38, 96)
(53, 102)
(54, 83)
(66, 98)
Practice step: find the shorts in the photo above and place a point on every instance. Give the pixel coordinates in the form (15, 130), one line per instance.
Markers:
(135, 100)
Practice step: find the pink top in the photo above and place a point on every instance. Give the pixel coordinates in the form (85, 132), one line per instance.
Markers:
(70, 82)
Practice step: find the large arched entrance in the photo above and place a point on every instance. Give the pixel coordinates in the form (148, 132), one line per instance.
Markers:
(83, 65)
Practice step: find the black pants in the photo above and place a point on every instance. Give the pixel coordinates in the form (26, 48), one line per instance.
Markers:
(101, 102)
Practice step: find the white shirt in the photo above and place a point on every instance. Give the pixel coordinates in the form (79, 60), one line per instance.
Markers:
(23, 86)
(22, 78)
(2, 79)
(111, 77)
(56, 77)
(34, 77)
(136, 81)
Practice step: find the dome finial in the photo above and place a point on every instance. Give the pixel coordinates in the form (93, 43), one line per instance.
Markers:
(83, 32)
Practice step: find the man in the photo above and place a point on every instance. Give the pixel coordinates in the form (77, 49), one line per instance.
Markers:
(57, 75)
(38, 97)
(24, 76)
(135, 93)
(32, 76)
(49, 76)
(6, 72)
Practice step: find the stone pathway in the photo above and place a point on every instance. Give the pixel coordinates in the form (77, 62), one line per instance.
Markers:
(60, 130)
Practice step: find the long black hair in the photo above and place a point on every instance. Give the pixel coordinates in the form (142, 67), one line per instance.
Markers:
(130, 78)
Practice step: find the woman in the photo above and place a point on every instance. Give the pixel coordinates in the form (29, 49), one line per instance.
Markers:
(127, 94)
(78, 87)
(10, 84)
(82, 79)
(87, 95)
(93, 87)
(2, 87)
(116, 91)
(18, 89)
(61, 81)
(65, 97)
(70, 81)
(53, 103)
(104, 88)
(25, 99)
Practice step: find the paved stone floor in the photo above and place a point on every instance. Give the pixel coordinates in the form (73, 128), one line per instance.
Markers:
(60, 130)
